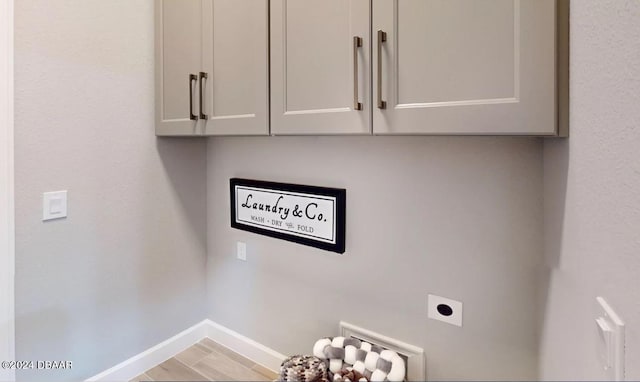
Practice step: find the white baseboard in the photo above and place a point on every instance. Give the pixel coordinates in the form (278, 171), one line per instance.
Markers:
(136, 365)
(247, 347)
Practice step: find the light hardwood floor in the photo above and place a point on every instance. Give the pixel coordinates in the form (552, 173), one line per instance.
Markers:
(207, 361)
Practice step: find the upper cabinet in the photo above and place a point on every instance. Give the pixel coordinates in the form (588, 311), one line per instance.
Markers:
(320, 67)
(178, 62)
(236, 60)
(464, 67)
(212, 69)
(454, 67)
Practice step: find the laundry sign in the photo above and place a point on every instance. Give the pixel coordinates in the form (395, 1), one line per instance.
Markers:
(308, 215)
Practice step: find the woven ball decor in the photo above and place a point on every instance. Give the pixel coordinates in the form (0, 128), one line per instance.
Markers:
(373, 362)
(304, 368)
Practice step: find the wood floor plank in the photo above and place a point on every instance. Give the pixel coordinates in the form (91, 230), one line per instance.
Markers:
(270, 374)
(142, 378)
(211, 372)
(216, 365)
(207, 361)
(228, 352)
(174, 370)
(193, 355)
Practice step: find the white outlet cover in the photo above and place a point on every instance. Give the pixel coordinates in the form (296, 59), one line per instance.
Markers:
(54, 205)
(241, 251)
(445, 310)
(611, 340)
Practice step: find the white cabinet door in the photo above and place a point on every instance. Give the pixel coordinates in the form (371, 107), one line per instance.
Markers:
(317, 68)
(464, 67)
(178, 56)
(236, 43)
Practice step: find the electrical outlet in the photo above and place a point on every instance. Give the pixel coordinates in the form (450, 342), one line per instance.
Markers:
(445, 310)
(241, 251)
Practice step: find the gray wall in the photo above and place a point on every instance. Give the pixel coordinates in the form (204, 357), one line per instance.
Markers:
(458, 217)
(126, 270)
(592, 203)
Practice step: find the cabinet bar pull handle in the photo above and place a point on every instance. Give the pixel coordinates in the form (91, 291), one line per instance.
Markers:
(357, 42)
(192, 77)
(382, 37)
(202, 115)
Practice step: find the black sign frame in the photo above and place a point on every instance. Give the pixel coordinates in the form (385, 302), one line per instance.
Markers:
(340, 217)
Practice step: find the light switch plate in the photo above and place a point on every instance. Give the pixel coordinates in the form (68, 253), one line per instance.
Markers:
(610, 329)
(54, 205)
